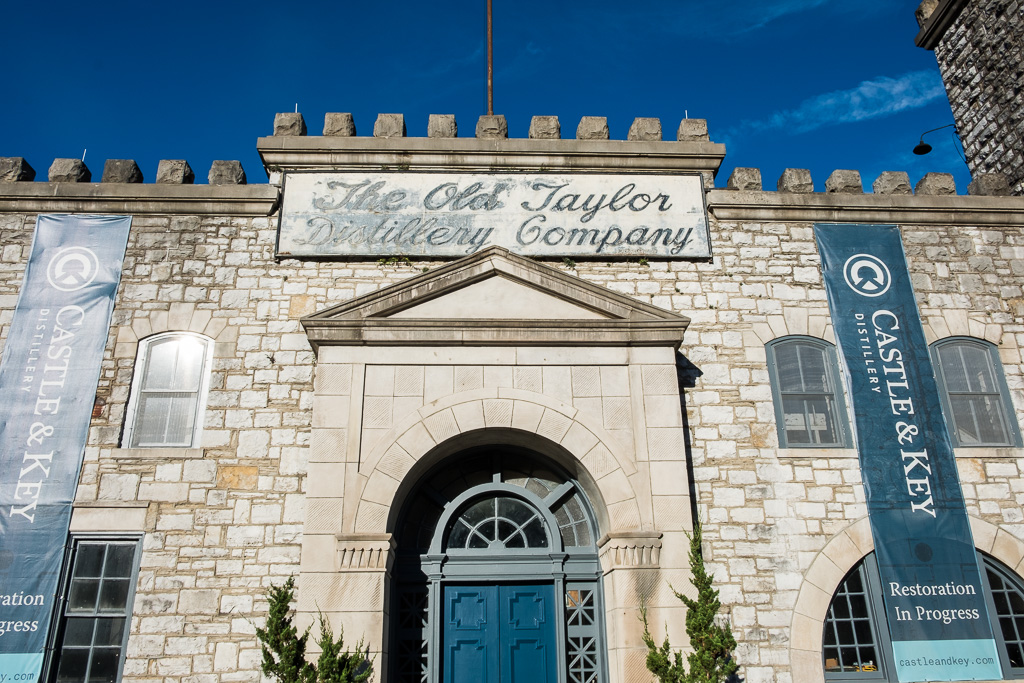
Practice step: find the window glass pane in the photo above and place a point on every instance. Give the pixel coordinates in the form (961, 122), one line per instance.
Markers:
(175, 364)
(479, 512)
(120, 560)
(978, 420)
(188, 370)
(953, 371)
(113, 595)
(795, 421)
(89, 560)
(535, 536)
(459, 535)
(787, 364)
(515, 511)
(583, 533)
(977, 369)
(110, 631)
(506, 530)
(78, 632)
(165, 419)
(73, 665)
(82, 597)
(160, 365)
(104, 665)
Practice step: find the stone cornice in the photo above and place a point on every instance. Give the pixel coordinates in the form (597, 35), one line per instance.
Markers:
(734, 205)
(495, 332)
(935, 27)
(283, 153)
(139, 199)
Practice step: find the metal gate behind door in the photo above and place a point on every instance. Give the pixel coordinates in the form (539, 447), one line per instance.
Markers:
(500, 634)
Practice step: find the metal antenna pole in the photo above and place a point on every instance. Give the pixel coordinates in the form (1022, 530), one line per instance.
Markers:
(490, 61)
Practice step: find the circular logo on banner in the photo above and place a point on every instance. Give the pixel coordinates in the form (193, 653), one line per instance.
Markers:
(72, 269)
(867, 275)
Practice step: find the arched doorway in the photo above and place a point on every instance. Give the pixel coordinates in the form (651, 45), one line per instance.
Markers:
(496, 572)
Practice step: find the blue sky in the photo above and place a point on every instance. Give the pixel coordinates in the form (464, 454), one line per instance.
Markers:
(819, 84)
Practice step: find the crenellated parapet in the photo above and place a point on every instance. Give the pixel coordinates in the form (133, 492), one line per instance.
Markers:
(644, 149)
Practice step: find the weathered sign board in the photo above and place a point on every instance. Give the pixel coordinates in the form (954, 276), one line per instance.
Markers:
(453, 214)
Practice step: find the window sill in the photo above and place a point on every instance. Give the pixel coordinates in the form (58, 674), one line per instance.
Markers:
(158, 453)
(988, 452)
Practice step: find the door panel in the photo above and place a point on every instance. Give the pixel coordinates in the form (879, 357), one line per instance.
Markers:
(500, 634)
(528, 646)
(470, 633)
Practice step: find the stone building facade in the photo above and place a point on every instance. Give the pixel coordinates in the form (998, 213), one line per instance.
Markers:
(979, 45)
(620, 398)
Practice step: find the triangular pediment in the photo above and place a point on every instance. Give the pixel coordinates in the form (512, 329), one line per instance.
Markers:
(495, 297)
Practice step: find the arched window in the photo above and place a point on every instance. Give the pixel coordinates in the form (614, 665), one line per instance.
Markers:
(855, 641)
(975, 399)
(168, 396)
(809, 407)
(497, 545)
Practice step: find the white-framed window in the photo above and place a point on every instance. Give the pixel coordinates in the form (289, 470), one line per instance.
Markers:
(974, 395)
(168, 395)
(808, 397)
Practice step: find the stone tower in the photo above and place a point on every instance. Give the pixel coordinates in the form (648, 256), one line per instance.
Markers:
(979, 45)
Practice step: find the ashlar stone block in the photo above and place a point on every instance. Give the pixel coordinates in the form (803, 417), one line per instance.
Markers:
(892, 182)
(692, 130)
(645, 130)
(339, 125)
(936, 184)
(492, 127)
(69, 171)
(226, 173)
(545, 128)
(442, 126)
(289, 123)
(796, 180)
(745, 179)
(592, 128)
(389, 126)
(844, 182)
(13, 169)
(174, 172)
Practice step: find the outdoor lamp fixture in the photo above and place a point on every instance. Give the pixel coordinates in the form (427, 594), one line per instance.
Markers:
(923, 147)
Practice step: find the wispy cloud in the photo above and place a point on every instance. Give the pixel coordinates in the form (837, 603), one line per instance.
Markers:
(872, 99)
(707, 17)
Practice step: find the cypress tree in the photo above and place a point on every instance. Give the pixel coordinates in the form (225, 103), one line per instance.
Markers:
(284, 650)
(711, 660)
(337, 664)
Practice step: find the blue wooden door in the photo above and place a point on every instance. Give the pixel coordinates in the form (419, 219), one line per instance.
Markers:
(500, 634)
(470, 634)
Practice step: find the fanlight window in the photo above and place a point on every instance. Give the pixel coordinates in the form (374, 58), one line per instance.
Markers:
(498, 523)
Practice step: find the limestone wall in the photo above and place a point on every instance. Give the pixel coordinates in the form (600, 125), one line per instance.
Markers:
(223, 521)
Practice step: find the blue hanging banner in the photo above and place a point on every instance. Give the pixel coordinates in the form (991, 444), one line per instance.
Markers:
(931, 581)
(48, 376)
